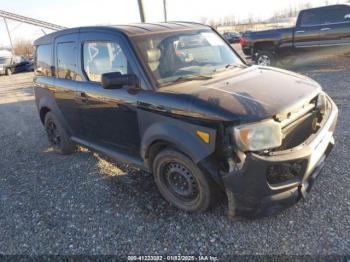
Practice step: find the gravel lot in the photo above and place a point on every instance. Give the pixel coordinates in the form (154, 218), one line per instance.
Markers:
(81, 204)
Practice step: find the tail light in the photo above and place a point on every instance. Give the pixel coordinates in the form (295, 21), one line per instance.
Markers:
(242, 41)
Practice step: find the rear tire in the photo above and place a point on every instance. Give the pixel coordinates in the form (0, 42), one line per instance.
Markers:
(57, 136)
(265, 58)
(181, 182)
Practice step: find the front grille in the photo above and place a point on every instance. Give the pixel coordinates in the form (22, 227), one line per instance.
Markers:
(300, 131)
(298, 127)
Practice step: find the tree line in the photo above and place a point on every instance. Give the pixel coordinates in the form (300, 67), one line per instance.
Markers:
(232, 20)
(21, 47)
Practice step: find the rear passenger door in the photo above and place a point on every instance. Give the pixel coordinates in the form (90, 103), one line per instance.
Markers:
(110, 116)
(66, 81)
(336, 26)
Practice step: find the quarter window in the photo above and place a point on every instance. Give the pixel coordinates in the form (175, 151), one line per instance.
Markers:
(67, 61)
(43, 60)
(335, 15)
(103, 57)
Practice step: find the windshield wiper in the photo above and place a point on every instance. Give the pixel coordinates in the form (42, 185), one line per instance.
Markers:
(234, 66)
(229, 66)
(191, 77)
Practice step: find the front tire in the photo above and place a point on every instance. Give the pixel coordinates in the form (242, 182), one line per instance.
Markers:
(265, 58)
(8, 71)
(57, 136)
(181, 182)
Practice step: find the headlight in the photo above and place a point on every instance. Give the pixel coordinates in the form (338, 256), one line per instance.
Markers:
(258, 136)
(322, 103)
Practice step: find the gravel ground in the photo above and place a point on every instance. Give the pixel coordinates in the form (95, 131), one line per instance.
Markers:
(81, 204)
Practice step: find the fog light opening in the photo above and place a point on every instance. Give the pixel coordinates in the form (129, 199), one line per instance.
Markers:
(285, 172)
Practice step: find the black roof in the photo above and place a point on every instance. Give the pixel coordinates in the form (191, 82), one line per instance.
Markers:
(327, 7)
(129, 30)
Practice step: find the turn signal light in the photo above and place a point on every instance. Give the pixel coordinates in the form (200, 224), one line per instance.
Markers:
(204, 136)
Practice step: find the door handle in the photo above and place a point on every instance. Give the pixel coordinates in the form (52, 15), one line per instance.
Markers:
(300, 31)
(81, 97)
(326, 29)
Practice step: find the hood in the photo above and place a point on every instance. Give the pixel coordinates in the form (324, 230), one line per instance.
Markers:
(250, 94)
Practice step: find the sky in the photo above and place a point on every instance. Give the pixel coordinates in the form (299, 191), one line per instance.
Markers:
(73, 13)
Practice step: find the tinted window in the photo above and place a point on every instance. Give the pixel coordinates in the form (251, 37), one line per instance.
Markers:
(334, 15)
(67, 61)
(103, 57)
(43, 60)
(310, 18)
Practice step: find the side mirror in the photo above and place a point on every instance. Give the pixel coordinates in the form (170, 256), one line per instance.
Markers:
(347, 16)
(116, 80)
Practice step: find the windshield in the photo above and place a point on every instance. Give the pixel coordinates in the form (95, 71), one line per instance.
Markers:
(182, 55)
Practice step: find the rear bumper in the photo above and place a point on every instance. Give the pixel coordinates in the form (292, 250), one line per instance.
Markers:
(251, 195)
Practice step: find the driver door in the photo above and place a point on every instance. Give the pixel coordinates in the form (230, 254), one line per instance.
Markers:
(307, 32)
(109, 116)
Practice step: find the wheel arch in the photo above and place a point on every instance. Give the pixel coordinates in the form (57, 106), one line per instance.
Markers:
(162, 135)
(154, 148)
(47, 104)
(42, 113)
(265, 45)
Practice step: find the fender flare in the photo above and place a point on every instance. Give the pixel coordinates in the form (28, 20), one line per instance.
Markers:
(50, 103)
(271, 45)
(182, 136)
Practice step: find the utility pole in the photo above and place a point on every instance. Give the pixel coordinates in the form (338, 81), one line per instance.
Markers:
(165, 11)
(142, 11)
(9, 34)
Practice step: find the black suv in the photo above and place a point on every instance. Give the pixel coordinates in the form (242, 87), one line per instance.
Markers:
(176, 100)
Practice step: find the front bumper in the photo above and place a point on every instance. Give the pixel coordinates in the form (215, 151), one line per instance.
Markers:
(248, 190)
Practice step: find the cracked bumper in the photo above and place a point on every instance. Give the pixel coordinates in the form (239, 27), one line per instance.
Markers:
(248, 190)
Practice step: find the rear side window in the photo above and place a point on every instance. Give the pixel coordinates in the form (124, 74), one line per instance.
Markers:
(334, 15)
(43, 60)
(103, 57)
(310, 18)
(67, 61)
